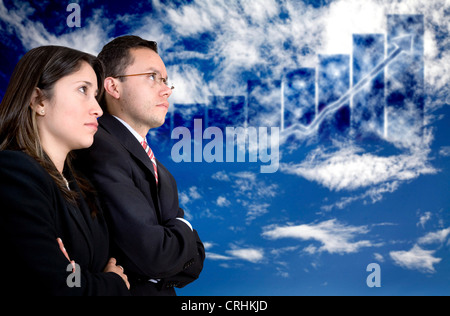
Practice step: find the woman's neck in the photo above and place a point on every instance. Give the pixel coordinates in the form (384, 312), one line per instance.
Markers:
(58, 157)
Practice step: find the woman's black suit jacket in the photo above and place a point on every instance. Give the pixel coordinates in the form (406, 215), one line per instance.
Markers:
(33, 214)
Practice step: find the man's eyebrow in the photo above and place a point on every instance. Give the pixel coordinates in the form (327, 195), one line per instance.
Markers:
(151, 69)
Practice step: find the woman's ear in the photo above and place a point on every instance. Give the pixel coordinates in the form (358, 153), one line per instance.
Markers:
(37, 103)
(111, 86)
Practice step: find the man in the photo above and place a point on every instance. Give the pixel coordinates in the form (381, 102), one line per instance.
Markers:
(157, 246)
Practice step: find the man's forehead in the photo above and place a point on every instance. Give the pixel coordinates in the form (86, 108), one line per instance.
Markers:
(146, 59)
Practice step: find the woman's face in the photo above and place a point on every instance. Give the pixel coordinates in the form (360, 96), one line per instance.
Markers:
(69, 120)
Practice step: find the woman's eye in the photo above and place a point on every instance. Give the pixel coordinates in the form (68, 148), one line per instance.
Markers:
(83, 89)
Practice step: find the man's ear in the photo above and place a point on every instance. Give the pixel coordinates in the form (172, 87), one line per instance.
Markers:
(111, 86)
(37, 103)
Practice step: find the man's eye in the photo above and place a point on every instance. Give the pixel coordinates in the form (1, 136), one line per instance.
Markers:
(152, 77)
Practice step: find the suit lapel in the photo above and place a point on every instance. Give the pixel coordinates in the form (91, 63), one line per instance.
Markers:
(131, 144)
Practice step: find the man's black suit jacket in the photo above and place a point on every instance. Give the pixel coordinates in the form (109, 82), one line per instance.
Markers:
(33, 214)
(147, 238)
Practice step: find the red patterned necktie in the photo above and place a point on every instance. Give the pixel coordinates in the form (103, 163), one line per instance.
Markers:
(150, 154)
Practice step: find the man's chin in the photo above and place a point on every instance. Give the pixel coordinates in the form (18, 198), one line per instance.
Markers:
(157, 124)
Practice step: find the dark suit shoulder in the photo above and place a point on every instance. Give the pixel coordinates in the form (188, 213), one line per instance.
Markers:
(17, 166)
(26, 188)
(16, 158)
(106, 152)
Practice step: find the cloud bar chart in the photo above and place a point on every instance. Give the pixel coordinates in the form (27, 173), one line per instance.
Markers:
(368, 105)
(405, 77)
(377, 91)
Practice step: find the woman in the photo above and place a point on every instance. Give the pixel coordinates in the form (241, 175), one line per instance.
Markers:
(53, 237)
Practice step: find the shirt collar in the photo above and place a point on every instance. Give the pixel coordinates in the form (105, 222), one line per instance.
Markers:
(132, 131)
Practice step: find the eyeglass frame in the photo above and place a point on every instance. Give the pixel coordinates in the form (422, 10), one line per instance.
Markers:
(163, 80)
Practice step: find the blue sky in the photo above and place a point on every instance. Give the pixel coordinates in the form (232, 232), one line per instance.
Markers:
(366, 183)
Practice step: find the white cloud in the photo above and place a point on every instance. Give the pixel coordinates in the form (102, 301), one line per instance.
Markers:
(435, 237)
(250, 254)
(253, 255)
(378, 257)
(350, 168)
(423, 219)
(193, 193)
(254, 209)
(183, 198)
(208, 245)
(186, 198)
(247, 184)
(198, 21)
(416, 259)
(222, 201)
(260, 10)
(278, 252)
(372, 195)
(334, 236)
(250, 192)
(215, 256)
(189, 84)
(220, 176)
(445, 151)
(189, 196)
(367, 17)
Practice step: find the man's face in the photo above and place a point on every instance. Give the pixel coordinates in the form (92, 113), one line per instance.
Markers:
(143, 100)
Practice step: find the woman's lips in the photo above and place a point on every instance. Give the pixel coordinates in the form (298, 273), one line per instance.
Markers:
(92, 125)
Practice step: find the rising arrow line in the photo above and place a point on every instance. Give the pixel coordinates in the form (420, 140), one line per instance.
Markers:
(403, 44)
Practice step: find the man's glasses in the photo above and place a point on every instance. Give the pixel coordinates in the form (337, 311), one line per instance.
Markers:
(153, 76)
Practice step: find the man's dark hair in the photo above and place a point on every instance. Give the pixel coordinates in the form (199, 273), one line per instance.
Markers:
(116, 56)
